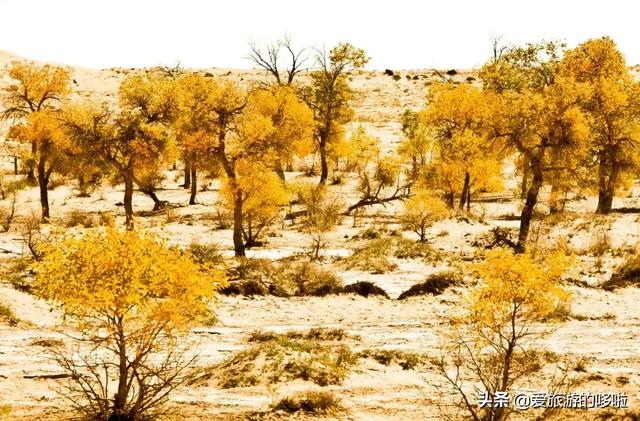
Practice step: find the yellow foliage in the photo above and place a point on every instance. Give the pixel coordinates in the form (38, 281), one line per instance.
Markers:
(421, 211)
(104, 276)
(262, 194)
(517, 287)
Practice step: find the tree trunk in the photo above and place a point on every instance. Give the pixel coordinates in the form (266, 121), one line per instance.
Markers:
(15, 165)
(128, 201)
(120, 398)
(238, 243)
(157, 203)
(529, 206)
(194, 185)
(43, 182)
(525, 179)
(187, 174)
(324, 167)
(277, 168)
(465, 191)
(469, 199)
(607, 179)
(31, 177)
(553, 199)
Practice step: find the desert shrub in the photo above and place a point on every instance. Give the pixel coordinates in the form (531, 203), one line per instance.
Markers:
(246, 288)
(79, 218)
(7, 315)
(627, 274)
(421, 211)
(310, 402)
(311, 280)
(364, 288)
(324, 211)
(47, 342)
(373, 256)
(263, 277)
(276, 358)
(19, 273)
(435, 284)
(316, 333)
(131, 297)
(406, 360)
(205, 253)
(407, 249)
(396, 77)
(492, 343)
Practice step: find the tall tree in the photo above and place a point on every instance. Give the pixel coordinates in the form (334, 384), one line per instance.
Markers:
(537, 113)
(612, 102)
(33, 88)
(133, 139)
(464, 154)
(49, 145)
(329, 95)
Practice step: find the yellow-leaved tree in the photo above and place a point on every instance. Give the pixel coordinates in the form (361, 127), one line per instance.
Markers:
(255, 127)
(537, 113)
(421, 210)
(263, 194)
(612, 101)
(329, 97)
(465, 158)
(493, 344)
(50, 148)
(33, 88)
(132, 140)
(129, 297)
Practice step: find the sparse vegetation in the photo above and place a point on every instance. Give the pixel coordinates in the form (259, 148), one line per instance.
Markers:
(435, 284)
(316, 356)
(311, 402)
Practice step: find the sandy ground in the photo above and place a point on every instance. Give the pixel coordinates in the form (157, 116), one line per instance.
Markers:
(603, 330)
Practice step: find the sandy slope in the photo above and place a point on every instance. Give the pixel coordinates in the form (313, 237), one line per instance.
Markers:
(604, 330)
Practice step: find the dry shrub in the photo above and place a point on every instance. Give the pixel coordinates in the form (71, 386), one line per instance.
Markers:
(79, 218)
(373, 256)
(205, 253)
(627, 274)
(310, 402)
(435, 284)
(406, 360)
(276, 358)
(263, 277)
(364, 288)
(7, 315)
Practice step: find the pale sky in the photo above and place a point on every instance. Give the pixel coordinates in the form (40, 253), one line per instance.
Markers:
(396, 34)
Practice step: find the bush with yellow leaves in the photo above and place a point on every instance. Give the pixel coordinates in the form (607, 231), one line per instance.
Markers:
(421, 211)
(491, 346)
(129, 297)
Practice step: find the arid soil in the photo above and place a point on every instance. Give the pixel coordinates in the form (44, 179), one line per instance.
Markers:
(601, 332)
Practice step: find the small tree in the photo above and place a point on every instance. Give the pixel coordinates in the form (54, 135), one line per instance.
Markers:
(262, 196)
(421, 211)
(323, 214)
(492, 345)
(329, 95)
(33, 88)
(49, 149)
(129, 297)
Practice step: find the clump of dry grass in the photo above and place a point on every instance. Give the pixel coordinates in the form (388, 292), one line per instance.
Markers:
(627, 274)
(263, 277)
(365, 289)
(435, 284)
(406, 360)
(7, 315)
(275, 358)
(311, 402)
